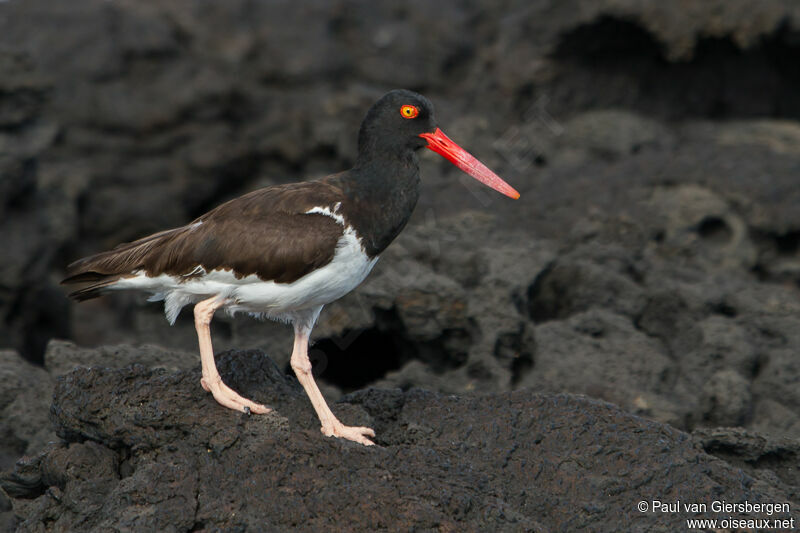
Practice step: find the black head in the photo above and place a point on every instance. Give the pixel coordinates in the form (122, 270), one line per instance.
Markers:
(402, 122)
(394, 123)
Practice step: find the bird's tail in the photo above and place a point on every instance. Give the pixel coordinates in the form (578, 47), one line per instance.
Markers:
(97, 273)
(97, 284)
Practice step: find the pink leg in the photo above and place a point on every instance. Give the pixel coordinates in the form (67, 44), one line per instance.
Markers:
(211, 380)
(331, 426)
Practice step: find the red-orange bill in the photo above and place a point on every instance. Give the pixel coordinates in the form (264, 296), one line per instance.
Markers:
(442, 145)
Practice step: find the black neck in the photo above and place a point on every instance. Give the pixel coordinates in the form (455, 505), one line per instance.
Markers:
(383, 192)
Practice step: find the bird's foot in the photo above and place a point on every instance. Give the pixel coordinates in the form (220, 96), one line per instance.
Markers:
(354, 433)
(230, 398)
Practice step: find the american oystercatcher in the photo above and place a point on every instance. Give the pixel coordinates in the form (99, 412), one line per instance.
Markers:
(283, 252)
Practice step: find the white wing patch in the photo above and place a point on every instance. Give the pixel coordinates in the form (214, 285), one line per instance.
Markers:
(198, 271)
(327, 211)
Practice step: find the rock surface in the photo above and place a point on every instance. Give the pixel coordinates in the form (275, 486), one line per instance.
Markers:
(150, 450)
(25, 394)
(653, 260)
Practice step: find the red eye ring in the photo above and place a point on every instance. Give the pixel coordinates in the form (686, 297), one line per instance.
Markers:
(409, 111)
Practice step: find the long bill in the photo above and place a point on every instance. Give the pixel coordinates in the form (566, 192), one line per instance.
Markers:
(442, 145)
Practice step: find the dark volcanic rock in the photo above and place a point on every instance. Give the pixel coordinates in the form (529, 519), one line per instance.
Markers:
(25, 393)
(62, 356)
(26, 390)
(150, 450)
(653, 259)
(775, 460)
(676, 215)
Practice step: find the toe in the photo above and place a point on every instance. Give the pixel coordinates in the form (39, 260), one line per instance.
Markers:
(226, 401)
(230, 398)
(254, 407)
(360, 436)
(259, 409)
(356, 434)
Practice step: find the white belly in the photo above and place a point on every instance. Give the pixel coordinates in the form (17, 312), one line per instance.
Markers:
(348, 268)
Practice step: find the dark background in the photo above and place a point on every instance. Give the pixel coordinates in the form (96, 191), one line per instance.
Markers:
(653, 259)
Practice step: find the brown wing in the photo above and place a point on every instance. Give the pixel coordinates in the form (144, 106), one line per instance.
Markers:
(266, 233)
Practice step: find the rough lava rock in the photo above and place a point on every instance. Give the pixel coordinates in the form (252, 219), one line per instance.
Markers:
(61, 357)
(653, 260)
(671, 221)
(25, 394)
(148, 449)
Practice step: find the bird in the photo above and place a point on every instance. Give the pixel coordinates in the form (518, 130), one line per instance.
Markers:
(284, 251)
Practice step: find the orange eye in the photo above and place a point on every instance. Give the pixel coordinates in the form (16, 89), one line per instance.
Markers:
(409, 111)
